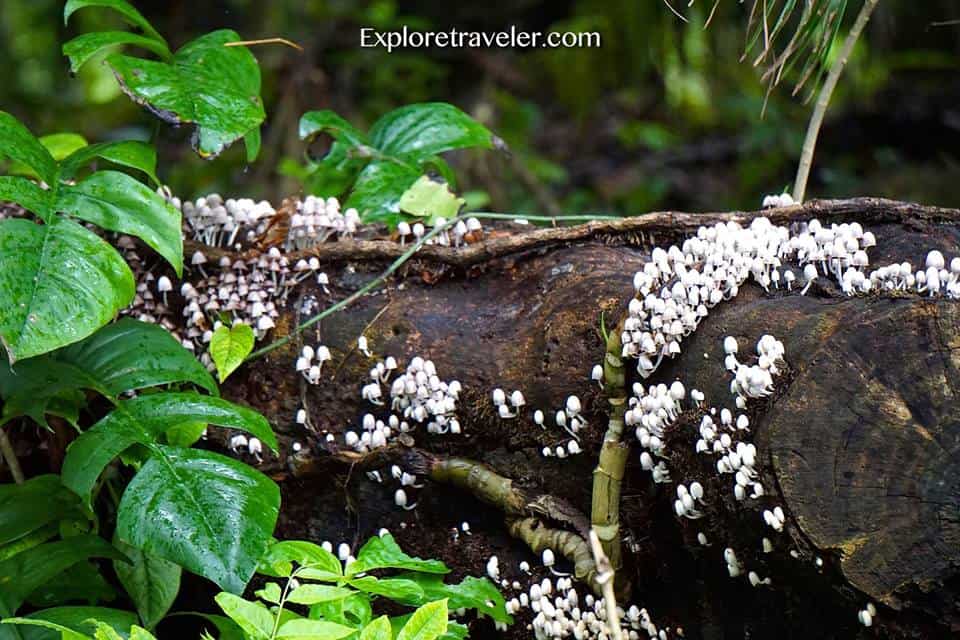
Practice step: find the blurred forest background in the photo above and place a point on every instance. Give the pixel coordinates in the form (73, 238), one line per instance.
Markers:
(663, 115)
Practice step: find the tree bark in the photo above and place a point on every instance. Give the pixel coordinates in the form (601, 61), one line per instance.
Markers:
(860, 443)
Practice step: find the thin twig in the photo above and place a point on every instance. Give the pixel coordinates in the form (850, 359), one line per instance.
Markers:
(353, 349)
(247, 43)
(10, 457)
(823, 99)
(359, 293)
(604, 578)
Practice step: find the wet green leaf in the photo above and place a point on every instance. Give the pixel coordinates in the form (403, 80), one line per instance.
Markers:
(27, 507)
(418, 131)
(304, 629)
(270, 592)
(397, 589)
(471, 593)
(56, 631)
(23, 573)
(152, 583)
(18, 144)
(27, 194)
(251, 141)
(313, 123)
(208, 513)
(84, 47)
(129, 354)
(377, 191)
(229, 346)
(379, 629)
(253, 618)
(77, 619)
(313, 593)
(213, 86)
(123, 356)
(142, 420)
(124, 8)
(427, 623)
(80, 583)
(69, 283)
(186, 434)
(115, 201)
(126, 153)
(280, 556)
(383, 552)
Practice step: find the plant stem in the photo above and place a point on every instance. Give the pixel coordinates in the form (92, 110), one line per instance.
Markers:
(605, 504)
(359, 293)
(823, 100)
(10, 457)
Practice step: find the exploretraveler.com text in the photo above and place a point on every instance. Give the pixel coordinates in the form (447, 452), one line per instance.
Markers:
(454, 38)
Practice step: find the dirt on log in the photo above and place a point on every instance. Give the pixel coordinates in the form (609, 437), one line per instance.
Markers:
(860, 442)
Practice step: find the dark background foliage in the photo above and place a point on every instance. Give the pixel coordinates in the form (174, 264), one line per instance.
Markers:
(663, 115)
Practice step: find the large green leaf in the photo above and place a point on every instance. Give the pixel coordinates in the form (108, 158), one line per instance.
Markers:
(56, 631)
(383, 552)
(27, 194)
(303, 629)
(123, 356)
(455, 630)
(229, 346)
(128, 355)
(115, 201)
(152, 583)
(427, 623)
(377, 191)
(471, 593)
(40, 385)
(66, 282)
(313, 593)
(80, 583)
(213, 86)
(127, 153)
(418, 131)
(60, 145)
(312, 123)
(84, 47)
(280, 556)
(354, 611)
(26, 571)
(253, 618)
(208, 513)
(27, 507)
(379, 629)
(77, 619)
(142, 420)
(124, 8)
(397, 589)
(18, 144)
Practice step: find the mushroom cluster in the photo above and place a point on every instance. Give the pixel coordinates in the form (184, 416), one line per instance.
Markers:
(317, 220)
(220, 223)
(935, 279)
(560, 612)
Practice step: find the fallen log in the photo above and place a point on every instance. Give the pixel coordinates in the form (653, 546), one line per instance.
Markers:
(860, 441)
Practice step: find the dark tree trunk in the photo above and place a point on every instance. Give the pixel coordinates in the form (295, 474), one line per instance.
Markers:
(860, 442)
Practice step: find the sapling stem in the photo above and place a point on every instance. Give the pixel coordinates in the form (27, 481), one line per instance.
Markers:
(605, 503)
(10, 457)
(823, 99)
